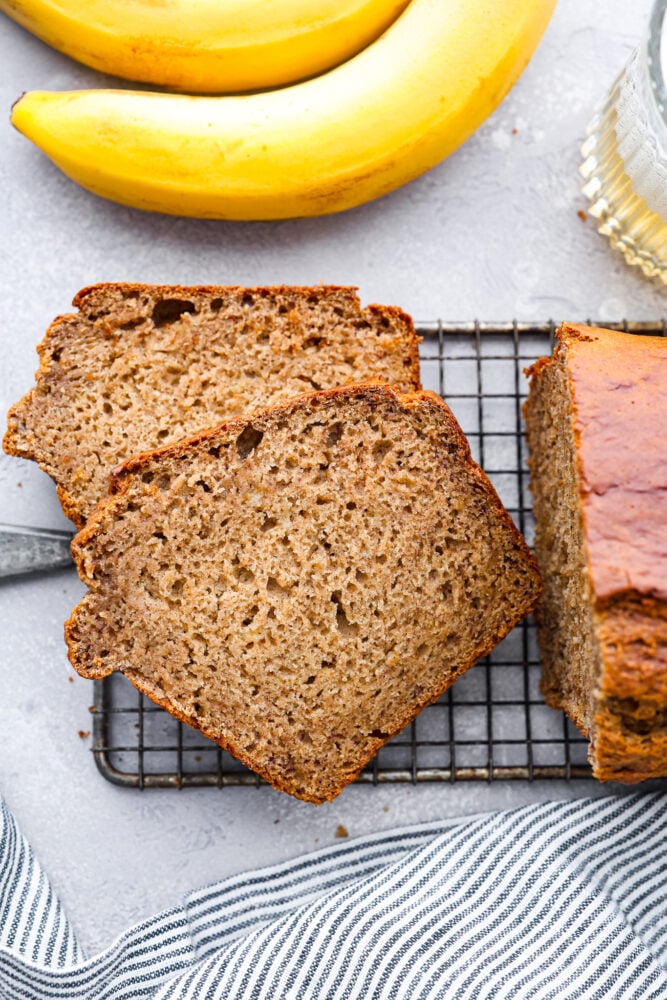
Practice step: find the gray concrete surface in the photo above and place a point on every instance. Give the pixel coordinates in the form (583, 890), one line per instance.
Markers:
(493, 232)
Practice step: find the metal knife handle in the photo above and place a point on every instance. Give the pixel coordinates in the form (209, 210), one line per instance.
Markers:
(32, 550)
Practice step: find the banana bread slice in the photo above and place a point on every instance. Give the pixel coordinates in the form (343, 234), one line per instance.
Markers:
(141, 366)
(299, 583)
(596, 417)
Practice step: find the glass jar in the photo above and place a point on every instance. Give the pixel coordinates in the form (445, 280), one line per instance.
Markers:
(625, 155)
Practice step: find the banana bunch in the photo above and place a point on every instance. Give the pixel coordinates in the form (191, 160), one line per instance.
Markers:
(353, 133)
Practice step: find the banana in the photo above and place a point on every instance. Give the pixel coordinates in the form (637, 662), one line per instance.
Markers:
(330, 143)
(207, 46)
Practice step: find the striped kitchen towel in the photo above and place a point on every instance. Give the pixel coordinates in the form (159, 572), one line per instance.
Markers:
(564, 899)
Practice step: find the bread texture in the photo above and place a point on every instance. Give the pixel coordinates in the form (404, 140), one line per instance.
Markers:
(141, 366)
(596, 417)
(299, 583)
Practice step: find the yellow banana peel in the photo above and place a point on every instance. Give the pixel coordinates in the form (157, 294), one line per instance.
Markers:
(207, 46)
(328, 144)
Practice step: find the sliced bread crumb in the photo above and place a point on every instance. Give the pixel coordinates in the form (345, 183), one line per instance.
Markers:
(299, 584)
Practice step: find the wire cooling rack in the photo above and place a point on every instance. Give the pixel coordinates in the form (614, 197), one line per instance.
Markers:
(492, 724)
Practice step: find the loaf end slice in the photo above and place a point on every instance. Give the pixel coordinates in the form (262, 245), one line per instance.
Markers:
(300, 583)
(599, 481)
(141, 366)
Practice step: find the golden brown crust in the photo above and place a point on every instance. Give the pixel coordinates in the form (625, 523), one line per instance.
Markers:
(631, 719)
(114, 505)
(619, 389)
(619, 392)
(618, 385)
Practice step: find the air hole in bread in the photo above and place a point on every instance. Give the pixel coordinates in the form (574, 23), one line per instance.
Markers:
(244, 575)
(168, 311)
(335, 434)
(343, 624)
(250, 616)
(247, 441)
(273, 587)
(381, 449)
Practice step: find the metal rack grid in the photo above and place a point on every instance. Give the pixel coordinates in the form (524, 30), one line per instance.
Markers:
(492, 724)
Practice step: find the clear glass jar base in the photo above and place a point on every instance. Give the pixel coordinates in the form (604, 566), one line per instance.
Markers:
(625, 217)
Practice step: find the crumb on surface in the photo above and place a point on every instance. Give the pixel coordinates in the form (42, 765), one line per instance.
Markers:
(276, 821)
(341, 831)
(92, 709)
(70, 679)
(515, 131)
(197, 757)
(385, 809)
(84, 734)
(582, 215)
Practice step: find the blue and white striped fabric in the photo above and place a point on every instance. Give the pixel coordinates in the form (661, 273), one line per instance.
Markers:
(567, 899)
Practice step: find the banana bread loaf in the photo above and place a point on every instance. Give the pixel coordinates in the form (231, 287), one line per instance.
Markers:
(299, 583)
(140, 366)
(597, 432)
